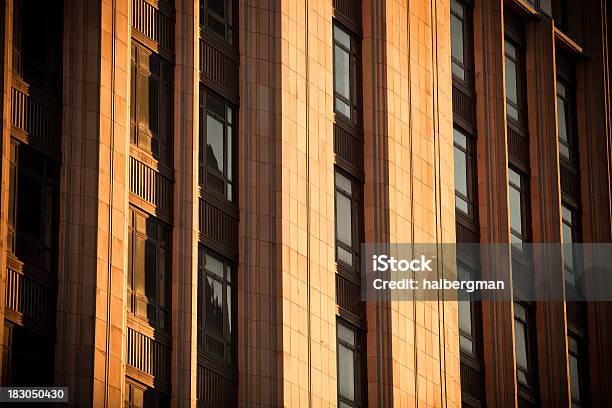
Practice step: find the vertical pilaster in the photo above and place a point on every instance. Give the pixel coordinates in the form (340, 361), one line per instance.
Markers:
(546, 211)
(6, 53)
(186, 205)
(93, 202)
(492, 150)
(413, 356)
(594, 130)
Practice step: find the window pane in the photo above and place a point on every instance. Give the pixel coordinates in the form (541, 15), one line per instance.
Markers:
(214, 143)
(217, 7)
(344, 183)
(521, 345)
(142, 100)
(511, 85)
(342, 107)
(461, 172)
(214, 308)
(139, 265)
(342, 79)
(345, 334)
(346, 372)
(342, 37)
(516, 222)
(574, 377)
(457, 41)
(214, 266)
(561, 120)
(344, 219)
(150, 272)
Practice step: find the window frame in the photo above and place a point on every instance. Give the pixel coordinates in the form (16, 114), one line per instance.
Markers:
(528, 371)
(467, 27)
(525, 235)
(518, 124)
(358, 350)
(471, 172)
(163, 273)
(356, 199)
(205, 172)
(49, 183)
(576, 347)
(230, 38)
(354, 73)
(164, 80)
(229, 340)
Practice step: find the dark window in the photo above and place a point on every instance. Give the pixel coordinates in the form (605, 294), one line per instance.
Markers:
(151, 103)
(465, 173)
(570, 228)
(149, 269)
(522, 346)
(217, 17)
(518, 201)
(37, 43)
(560, 14)
(461, 41)
(217, 145)
(467, 314)
(345, 73)
(566, 122)
(350, 360)
(347, 219)
(32, 206)
(215, 307)
(514, 81)
(141, 396)
(578, 372)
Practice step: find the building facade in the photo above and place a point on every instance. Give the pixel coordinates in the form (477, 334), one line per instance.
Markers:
(186, 185)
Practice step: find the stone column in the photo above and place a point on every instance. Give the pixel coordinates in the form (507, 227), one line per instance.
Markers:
(492, 152)
(594, 130)
(6, 53)
(546, 211)
(413, 354)
(93, 202)
(186, 205)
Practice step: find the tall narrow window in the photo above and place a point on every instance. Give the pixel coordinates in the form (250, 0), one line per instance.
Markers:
(32, 204)
(464, 172)
(461, 45)
(570, 235)
(217, 17)
(215, 307)
(576, 370)
(466, 314)
(349, 367)
(513, 81)
(148, 269)
(217, 152)
(565, 121)
(345, 73)
(151, 103)
(521, 345)
(347, 220)
(518, 203)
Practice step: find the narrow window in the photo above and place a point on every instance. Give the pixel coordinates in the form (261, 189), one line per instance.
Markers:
(461, 43)
(32, 206)
(345, 73)
(518, 203)
(349, 367)
(148, 269)
(564, 121)
(522, 349)
(215, 309)
(347, 220)
(577, 369)
(150, 106)
(466, 316)
(512, 67)
(464, 173)
(217, 17)
(217, 146)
